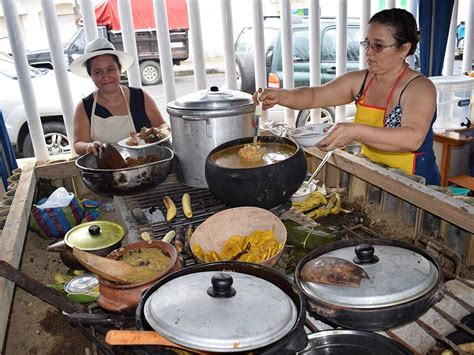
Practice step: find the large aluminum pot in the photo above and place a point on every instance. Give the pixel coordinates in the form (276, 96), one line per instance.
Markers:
(128, 180)
(203, 120)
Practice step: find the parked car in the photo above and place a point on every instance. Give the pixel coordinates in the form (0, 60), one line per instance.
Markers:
(274, 66)
(47, 100)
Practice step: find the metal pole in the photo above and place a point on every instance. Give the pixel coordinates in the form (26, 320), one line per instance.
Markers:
(364, 21)
(259, 60)
(164, 48)
(129, 43)
(314, 53)
(228, 36)
(390, 4)
(448, 63)
(412, 8)
(17, 44)
(341, 49)
(287, 55)
(60, 71)
(90, 24)
(197, 49)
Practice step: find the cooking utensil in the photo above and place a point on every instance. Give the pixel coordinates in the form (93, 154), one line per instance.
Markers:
(127, 180)
(125, 298)
(140, 337)
(318, 169)
(258, 114)
(203, 120)
(404, 282)
(114, 270)
(264, 186)
(110, 158)
(214, 231)
(225, 324)
(352, 342)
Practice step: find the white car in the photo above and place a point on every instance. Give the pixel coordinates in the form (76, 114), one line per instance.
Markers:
(49, 107)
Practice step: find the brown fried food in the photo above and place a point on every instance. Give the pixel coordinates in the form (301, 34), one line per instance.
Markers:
(252, 152)
(333, 271)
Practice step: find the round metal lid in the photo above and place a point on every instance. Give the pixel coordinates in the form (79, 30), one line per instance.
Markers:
(398, 276)
(215, 100)
(94, 235)
(81, 283)
(221, 311)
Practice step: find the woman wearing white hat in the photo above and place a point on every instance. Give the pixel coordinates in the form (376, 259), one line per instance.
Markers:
(113, 111)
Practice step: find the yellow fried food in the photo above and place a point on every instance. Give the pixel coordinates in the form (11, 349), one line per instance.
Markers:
(170, 208)
(212, 256)
(230, 249)
(186, 201)
(197, 250)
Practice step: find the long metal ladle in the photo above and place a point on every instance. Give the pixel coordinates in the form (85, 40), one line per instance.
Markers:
(318, 169)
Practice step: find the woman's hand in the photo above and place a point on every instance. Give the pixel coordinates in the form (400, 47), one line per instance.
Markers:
(341, 135)
(94, 147)
(269, 97)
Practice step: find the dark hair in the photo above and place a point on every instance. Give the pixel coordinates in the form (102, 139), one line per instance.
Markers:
(88, 62)
(403, 24)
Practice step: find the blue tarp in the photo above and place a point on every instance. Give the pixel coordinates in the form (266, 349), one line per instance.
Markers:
(7, 154)
(434, 18)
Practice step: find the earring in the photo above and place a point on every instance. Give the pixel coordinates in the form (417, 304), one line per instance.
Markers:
(403, 58)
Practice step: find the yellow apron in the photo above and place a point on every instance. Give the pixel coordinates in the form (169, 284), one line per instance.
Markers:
(375, 116)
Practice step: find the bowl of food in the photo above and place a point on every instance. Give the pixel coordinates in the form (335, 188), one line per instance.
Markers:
(155, 255)
(247, 234)
(310, 135)
(304, 191)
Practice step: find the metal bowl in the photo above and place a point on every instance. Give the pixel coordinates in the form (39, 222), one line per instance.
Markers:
(128, 180)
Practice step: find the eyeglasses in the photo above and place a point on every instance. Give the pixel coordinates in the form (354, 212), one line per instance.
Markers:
(376, 47)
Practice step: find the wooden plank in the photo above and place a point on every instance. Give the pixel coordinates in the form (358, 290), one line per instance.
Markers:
(463, 181)
(437, 203)
(469, 253)
(56, 170)
(13, 239)
(332, 176)
(357, 191)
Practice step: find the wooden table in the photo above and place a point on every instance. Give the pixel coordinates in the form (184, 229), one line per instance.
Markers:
(451, 139)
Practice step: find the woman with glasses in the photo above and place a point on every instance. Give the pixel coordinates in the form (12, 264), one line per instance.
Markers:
(395, 105)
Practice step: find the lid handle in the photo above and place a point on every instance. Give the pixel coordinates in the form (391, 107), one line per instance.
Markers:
(214, 89)
(221, 286)
(365, 254)
(94, 229)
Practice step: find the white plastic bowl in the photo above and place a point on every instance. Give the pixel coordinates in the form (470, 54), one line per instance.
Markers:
(310, 135)
(301, 195)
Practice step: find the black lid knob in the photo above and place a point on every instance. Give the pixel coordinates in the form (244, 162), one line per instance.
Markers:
(221, 286)
(365, 254)
(214, 88)
(94, 229)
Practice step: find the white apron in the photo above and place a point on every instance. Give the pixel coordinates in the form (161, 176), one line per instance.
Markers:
(113, 128)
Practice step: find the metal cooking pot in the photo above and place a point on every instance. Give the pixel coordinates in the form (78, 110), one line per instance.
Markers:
(352, 342)
(201, 121)
(265, 186)
(128, 180)
(226, 307)
(404, 281)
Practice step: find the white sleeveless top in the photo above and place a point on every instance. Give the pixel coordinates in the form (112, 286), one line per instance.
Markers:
(113, 128)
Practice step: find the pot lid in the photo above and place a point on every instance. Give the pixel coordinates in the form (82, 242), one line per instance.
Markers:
(81, 283)
(225, 102)
(396, 275)
(94, 235)
(221, 311)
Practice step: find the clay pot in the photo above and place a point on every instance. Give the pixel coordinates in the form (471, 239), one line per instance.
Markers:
(125, 298)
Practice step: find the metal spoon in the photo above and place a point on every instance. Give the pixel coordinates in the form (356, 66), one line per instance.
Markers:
(318, 169)
(258, 114)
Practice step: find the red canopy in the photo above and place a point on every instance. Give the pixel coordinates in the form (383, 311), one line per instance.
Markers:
(107, 14)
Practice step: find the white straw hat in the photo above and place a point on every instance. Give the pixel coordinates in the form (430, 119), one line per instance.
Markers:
(99, 46)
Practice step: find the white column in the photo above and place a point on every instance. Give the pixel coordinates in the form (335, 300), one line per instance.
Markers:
(228, 39)
(412, 8)
(390, 4)
(448, 63)
(364, 21)
(287, 55)
(60, 70)
(314, 53)
(195, 40)
(90, 23)
(164, 48)
(129, 42)
(341, 49)
(259, 53)
(468, 38)
(17, 45)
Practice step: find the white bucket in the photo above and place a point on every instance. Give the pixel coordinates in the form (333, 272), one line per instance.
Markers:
(455, 94)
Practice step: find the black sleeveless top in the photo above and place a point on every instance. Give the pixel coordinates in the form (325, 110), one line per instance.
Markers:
(137, 108)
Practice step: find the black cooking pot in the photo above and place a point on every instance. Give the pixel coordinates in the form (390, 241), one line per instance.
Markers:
(265, 186)
(197, 295)
(404, 281)
(134, 179)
